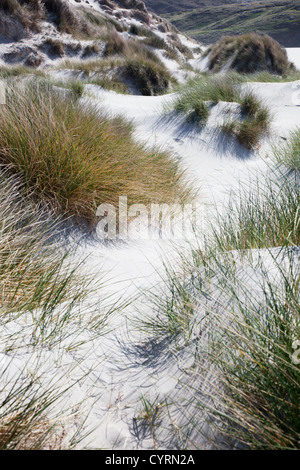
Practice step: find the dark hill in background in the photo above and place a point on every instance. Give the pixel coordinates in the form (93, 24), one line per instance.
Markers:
(207, 21)
(168, 6)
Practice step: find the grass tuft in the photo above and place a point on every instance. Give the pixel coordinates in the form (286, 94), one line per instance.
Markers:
(76, 158)
(255, 118)
(288, 154)
(249, 53)
(149, 77)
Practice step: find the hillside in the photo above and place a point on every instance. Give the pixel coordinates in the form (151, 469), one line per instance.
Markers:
(209, 21)
(162, 7)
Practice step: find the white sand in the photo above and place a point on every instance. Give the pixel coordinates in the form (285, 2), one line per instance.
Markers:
(294, 55)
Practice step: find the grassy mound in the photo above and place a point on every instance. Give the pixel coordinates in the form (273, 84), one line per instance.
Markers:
(125, 63)
(19, 17)
(149, 77)
(249, 53)
(201, 93)
(76, 158)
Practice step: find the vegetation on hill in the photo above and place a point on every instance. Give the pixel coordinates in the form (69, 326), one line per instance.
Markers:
(129, 62)
(76, 171)
(249, 53)
(209, 22)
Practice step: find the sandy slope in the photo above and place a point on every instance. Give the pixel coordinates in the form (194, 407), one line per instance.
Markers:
(121, 367)
(217, 166)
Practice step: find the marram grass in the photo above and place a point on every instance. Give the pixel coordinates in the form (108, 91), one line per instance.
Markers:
(233, 310)
(75, 157)
(196, 98)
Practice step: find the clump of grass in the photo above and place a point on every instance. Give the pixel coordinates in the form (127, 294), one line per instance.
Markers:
(140, 31)
(102, 72)
(249, 53)
(55, 46)
(195, 98)
(117, 45)
(288, 154)
(267, 216)
(77, 88)
(90, 66)
(170, 51)
(31, 414)
(148, 419)
(207, 88)
(109, 83)
(172, 54)
(9, 71)
(91, 49)
(199, 113)
(65, 17)
(127, 61)
(103, 22)
(156, 42)
(250, 104)
(25, 422)
(255, 397)
(255, 117)
(149, 77)
(18, 18)
(79, 22)
(75, 159)
(250, 131)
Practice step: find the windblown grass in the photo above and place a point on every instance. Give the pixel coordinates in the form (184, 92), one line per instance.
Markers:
(34, 409)
(288, 154)
(24, 415)
(75, 158)
(254, 321)
(41, 295)
(34, 272)
(95, 65)
(234, 313)
(265, 216)
(9, 71)
(195, 98)
(18, 17)
(117, 45)
(249, 53)
(149, 77)
(208, 88)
